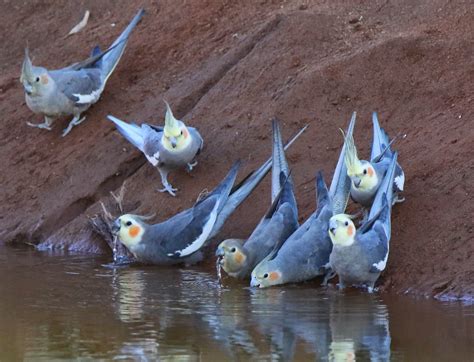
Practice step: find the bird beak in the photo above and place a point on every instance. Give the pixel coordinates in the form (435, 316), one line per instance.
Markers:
(220, 252)
(332, 226)
(116, 227)
(254, 282)
(28, 88)
(356, 181)
(173, 142)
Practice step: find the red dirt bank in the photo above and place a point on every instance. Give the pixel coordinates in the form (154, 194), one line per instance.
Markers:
(227, 67)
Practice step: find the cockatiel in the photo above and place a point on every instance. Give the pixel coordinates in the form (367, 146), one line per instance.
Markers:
(366, 176)
(167, 148)
(73, 89)
(180, 238)
(359, 256)
(239, 257)
(305, 254)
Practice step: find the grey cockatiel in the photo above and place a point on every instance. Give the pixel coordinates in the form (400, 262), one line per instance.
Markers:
(167, 148)
(180, 238)
(238, 258)
(73, 89)
(359, 256)
(366, 176)
(305, 254)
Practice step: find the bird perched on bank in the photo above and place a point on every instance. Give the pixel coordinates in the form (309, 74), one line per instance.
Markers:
(305, 254)
(359, 256)
(366, 176)
(167, 148)
(239, 257)
(180, 238)
(73, 89)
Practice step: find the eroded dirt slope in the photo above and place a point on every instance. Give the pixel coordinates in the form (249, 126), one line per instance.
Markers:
(227, 67)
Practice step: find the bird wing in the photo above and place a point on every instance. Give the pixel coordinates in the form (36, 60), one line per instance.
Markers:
(196, 136)
(80, 86)
(376, 245)
(190, 232)
(132, 132)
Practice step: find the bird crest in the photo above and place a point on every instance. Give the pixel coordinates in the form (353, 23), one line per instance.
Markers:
(172, 126)
(27, 68)
(353, 164)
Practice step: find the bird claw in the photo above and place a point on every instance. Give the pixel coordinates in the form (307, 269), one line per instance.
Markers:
(398, 199)
(40, 125)
(191, 165)
(169, 189)
(73, 123)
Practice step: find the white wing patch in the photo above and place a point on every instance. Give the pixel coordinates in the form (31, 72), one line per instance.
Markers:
(199, 242)
(400, 181)
(88, 98)
(381, 264)
(154, 160)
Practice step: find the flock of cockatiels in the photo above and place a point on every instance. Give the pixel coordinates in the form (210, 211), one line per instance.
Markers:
(279, 250)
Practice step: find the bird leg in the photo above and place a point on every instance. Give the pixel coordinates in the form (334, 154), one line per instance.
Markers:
(167, 186)
(48, 121)
(74, 122)
(328, 276)
(191, 165)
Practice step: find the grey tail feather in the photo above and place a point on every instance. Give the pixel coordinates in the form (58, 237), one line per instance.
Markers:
(279, 163)
(380, 213)
(341, 184)
(225, 186)
(245, 187)
(322, 191)
(380, 141)
(111, 59)
(277, 201)
(386, 187)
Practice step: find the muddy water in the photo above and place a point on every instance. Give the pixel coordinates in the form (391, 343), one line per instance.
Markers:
(68, 306)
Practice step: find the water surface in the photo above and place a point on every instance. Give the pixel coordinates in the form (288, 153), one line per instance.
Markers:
(70, 306)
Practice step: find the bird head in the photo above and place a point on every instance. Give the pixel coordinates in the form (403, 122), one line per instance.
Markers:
(36, 80)
(130, 230)
(175, 134)
(341, 230)
(361, 173)
(232, 255)
(266, 274)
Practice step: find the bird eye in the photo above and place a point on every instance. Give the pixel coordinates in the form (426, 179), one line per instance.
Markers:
(233, 250)
(37, 79)
(346, 223)
(181, 133)
(128, 223)
(265, 275)
(365, 172)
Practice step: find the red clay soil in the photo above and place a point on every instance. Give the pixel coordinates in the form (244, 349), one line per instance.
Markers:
(227, 67)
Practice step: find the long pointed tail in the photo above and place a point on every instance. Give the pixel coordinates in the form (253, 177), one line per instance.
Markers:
(131, 132)
(380, 139)
(341, 183)
(111, 59)
(279, 163)
(240, 192)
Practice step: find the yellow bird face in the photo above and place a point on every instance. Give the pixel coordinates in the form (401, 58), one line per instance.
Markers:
(341, 230)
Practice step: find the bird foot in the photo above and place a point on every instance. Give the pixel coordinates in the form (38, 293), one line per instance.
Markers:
(191, 165)
(169, 189)
(75, 121)
(40, 125)
(398, 199)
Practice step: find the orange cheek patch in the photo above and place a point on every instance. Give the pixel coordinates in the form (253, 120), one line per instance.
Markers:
(350, 230)
(239, 258)
(370, 171)
(185, 133)
(133, 231)
(44, 79)
(274, 276)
